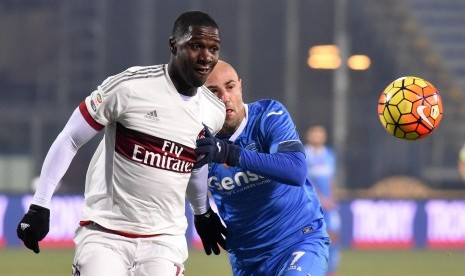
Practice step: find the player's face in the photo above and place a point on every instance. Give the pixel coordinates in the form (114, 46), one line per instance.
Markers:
(316, 136)
(193, 57)
(226, 85)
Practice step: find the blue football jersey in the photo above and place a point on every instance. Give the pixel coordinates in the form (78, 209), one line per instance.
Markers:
(263, 215)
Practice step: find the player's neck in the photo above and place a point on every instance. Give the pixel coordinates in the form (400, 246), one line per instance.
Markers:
(190, 92)
(181, 86)
(318, 148)
(230, 129)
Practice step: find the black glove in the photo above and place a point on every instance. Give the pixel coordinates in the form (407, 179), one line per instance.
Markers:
(34, 227)
(210, 228)
(216, 150)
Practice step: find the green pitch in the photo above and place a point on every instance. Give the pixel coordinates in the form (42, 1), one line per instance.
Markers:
(403, 263)
(20, 262)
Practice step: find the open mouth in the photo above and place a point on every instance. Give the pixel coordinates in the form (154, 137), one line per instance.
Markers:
(202, 71)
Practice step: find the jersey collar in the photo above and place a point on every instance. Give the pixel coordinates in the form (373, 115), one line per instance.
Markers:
(241, 126)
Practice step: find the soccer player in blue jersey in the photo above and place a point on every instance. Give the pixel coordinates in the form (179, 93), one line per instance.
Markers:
(321, 164)
(257, 176)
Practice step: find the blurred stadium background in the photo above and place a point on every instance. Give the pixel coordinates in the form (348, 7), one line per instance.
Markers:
(403, 197)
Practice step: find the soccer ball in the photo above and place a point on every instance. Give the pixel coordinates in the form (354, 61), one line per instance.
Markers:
(410, 108)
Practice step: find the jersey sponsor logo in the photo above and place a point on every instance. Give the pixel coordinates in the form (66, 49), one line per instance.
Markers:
(275, 113)
(154, 151)
(420, 112)
(240, 180)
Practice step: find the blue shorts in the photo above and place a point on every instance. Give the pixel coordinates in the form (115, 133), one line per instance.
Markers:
(308, 257)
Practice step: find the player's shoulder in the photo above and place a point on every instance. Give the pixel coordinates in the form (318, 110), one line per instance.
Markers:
(214, 110)
(268, 103)
(211, 99)
(132, 74)
(143, 70)
(267, 107)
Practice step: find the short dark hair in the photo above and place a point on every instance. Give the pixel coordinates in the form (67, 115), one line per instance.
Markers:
(191, 18)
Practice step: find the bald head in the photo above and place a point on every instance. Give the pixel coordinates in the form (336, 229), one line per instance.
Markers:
(221, 70)
(224, 82)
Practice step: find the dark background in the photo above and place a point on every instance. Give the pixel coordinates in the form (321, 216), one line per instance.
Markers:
(55, 53)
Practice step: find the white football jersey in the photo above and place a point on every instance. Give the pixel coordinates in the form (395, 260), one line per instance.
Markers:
(136, 181)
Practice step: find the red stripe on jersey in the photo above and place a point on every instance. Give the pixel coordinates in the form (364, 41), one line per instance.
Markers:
(179, 271)
(85, 113)
(154, 151)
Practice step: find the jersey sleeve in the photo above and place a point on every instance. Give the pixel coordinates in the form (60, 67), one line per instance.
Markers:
(286, 167)
(60, 155)
(283, 159)
(279, 130)
(197, 191)
(107, 102)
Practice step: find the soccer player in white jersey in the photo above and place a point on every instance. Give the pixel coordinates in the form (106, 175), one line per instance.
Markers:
(133, 220)
(257, 176)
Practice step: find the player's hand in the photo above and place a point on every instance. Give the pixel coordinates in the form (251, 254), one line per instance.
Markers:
(211, 231)
(216, 150)
(34, 227)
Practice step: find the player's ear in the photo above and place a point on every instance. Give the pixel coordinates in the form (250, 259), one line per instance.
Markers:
(172, 43)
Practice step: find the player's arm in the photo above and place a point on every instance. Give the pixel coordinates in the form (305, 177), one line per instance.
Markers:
(197, 191)
(284, 167)
(206, 222)
(285, 162)
(35, 224)
(284, 158)
(288, 166)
